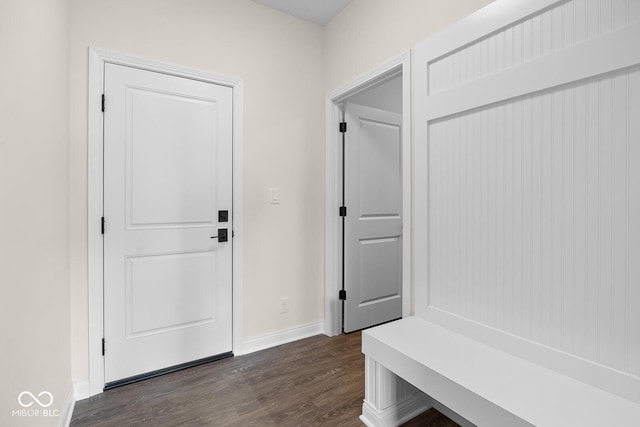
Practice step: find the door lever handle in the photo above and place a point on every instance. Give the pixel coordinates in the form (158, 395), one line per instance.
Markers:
(222, 235)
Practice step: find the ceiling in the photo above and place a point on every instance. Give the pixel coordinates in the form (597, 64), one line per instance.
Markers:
(317, 11)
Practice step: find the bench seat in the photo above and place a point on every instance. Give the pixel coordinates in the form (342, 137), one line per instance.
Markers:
(487, 386)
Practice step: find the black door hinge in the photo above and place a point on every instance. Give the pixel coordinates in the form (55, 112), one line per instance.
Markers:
(103, 346)
(342, 295)
(343, 127)
(102, 222)
(343, 211)
(103, 102)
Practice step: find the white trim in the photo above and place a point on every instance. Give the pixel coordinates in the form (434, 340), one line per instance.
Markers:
(66, 410)
(397, 413)
(565, 66)
(332, 312)
(95, 210)
(285, 336)
(97, 60)
(332, 276)
(485, 21)
(388, 399)
(238, 217)
(420, 198)
(81, 390)
(406, 409)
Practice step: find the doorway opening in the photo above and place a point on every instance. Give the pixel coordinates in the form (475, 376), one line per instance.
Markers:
(368, 200)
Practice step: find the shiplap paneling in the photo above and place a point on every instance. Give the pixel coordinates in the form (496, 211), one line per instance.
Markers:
(558, 27)
(534, 208)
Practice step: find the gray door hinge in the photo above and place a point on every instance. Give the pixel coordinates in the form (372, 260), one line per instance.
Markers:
(342, 295)
(103, 102)
(103, 346)
(343, 127)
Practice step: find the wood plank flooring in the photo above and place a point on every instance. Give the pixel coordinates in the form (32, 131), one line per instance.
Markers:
(316, 381)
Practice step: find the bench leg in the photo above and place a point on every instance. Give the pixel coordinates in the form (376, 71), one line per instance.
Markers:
(389, 400)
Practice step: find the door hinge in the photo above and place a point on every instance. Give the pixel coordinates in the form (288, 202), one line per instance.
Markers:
(103, 102)
(343, 211)
(342, 295)
(103, 346)
(343, 127)
(102, 223)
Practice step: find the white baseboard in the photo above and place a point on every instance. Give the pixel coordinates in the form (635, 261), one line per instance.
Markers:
(66, 411)
(398, 413)
(282, 337)
(81, 390)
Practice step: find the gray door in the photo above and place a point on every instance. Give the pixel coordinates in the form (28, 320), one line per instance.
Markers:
(373, 228)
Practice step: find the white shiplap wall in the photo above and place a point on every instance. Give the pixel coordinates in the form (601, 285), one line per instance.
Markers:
(553, 29)
(535, 218)
(533, 201)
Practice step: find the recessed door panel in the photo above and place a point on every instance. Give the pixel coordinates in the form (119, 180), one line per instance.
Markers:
(380, 178)
(171, 145)
(169, 292)
(380, 269)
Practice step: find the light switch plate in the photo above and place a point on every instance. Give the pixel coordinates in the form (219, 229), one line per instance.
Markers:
(274, 195)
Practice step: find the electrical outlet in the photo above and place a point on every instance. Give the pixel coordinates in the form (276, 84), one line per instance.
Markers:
(284, 305)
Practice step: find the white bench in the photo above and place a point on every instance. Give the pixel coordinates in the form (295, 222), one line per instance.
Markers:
(484, 385)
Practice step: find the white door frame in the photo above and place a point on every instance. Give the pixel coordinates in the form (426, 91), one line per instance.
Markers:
(333, 187)
(97, 60)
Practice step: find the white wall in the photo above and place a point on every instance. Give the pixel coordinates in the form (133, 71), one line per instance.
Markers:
(34, 204)
(280, 60)
(368, 33)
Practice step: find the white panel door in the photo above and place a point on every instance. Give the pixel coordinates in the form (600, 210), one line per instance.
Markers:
(373, 228)
(167, 173)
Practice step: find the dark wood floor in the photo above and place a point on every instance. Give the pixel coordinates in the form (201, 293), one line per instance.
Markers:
(319, 380)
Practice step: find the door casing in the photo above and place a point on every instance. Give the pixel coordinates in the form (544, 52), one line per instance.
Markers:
(97, 59)
(333, 187)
